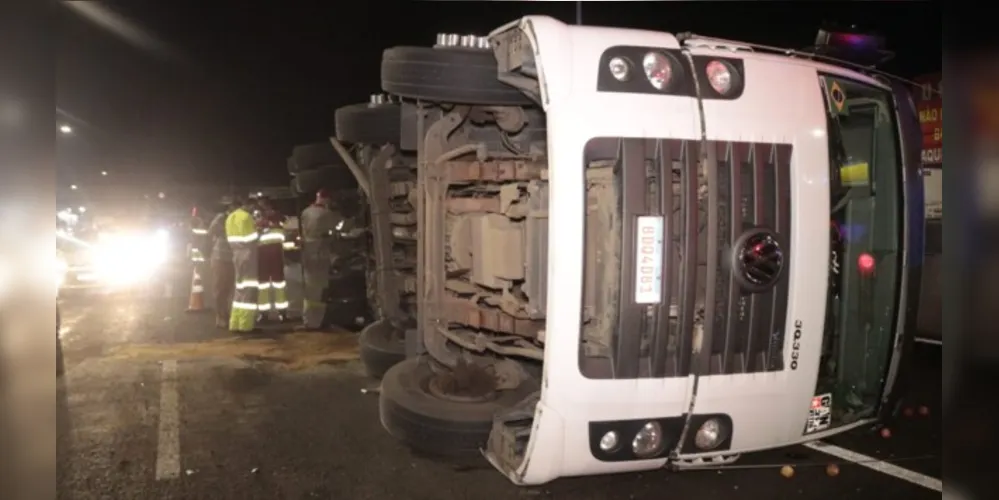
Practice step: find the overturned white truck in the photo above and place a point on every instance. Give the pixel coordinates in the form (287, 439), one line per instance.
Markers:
(639, 249)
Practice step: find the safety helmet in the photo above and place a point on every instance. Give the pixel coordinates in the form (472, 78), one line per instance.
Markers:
(322, 195)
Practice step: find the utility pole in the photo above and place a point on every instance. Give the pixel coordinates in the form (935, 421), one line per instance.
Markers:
(579, 13)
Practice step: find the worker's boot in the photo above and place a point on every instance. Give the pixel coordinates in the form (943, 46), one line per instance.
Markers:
(282, 317)
(261, 317)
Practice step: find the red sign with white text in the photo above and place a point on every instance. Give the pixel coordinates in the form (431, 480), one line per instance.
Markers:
(929, 105)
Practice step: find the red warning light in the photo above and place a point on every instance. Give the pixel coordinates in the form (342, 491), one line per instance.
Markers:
(865, 264)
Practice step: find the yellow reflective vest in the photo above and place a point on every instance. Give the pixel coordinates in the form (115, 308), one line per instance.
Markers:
(241, 229)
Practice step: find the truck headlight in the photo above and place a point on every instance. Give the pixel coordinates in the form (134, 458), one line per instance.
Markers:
(658, 69)
(719, 76)
(609, 442)
(648, 442)
(619, 69)
(710, 434)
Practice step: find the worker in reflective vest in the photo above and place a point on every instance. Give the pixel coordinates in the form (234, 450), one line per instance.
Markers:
(270, 270)
(317, 225)
(241, 233)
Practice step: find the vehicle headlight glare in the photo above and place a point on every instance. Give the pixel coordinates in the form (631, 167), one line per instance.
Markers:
(710, 435)
(61, 268)
(648, 441)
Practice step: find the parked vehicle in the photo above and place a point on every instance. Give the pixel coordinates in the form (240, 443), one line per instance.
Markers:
(669, 255)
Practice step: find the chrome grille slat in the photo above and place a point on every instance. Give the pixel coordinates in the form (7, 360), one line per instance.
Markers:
(628, 345)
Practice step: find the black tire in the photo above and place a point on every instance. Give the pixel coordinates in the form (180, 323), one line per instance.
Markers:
(382, 347)
(452, 75)
(366, 124)
(436, 426)
(309, 156)
(333, 177)
(308, 181)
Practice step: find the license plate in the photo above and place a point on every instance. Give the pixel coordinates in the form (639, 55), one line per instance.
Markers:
(649, 260)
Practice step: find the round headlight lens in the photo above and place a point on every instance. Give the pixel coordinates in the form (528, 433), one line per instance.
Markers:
(711, 434)
(609, 442)
(649, 441)
(719, 76)
(658, 69)
(619, 69)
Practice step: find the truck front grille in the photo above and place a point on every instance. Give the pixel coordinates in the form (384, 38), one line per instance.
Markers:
(709, 195)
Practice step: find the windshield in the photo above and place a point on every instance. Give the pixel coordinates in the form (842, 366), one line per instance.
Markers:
(865, 240)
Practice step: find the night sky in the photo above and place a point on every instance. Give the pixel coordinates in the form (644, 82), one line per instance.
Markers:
(231, 87)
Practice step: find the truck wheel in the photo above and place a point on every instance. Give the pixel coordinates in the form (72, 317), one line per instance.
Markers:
(367, 124)
(381, 348)
(309, 156)
(452, 75)
(308, 181)
(413, 410)
(335, 177)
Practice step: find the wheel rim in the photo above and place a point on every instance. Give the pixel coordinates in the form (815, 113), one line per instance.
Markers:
(463, 384)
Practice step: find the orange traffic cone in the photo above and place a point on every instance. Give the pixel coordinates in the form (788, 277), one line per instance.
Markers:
(197, 300)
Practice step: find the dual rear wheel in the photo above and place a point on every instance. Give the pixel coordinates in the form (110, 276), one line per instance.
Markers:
(444, 412)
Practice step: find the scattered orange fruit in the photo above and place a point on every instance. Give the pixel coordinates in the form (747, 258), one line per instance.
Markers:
(886, 433)
(907, 412)
(924, 411)
(787, 471)
(832, 470)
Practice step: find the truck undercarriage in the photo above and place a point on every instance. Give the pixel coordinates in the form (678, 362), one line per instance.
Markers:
(457, 186)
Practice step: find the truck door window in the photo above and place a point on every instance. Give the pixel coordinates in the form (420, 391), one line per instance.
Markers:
(865, 213)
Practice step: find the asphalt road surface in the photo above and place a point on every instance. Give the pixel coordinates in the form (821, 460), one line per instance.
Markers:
(156, 403)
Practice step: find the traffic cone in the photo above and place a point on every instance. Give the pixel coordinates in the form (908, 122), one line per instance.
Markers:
(197, 300)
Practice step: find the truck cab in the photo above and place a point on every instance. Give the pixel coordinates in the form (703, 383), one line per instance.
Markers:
(640, 249)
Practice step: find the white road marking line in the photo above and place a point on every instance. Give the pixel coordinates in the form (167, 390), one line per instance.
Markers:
(168, 446)
(877, 465)
(925, 340)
